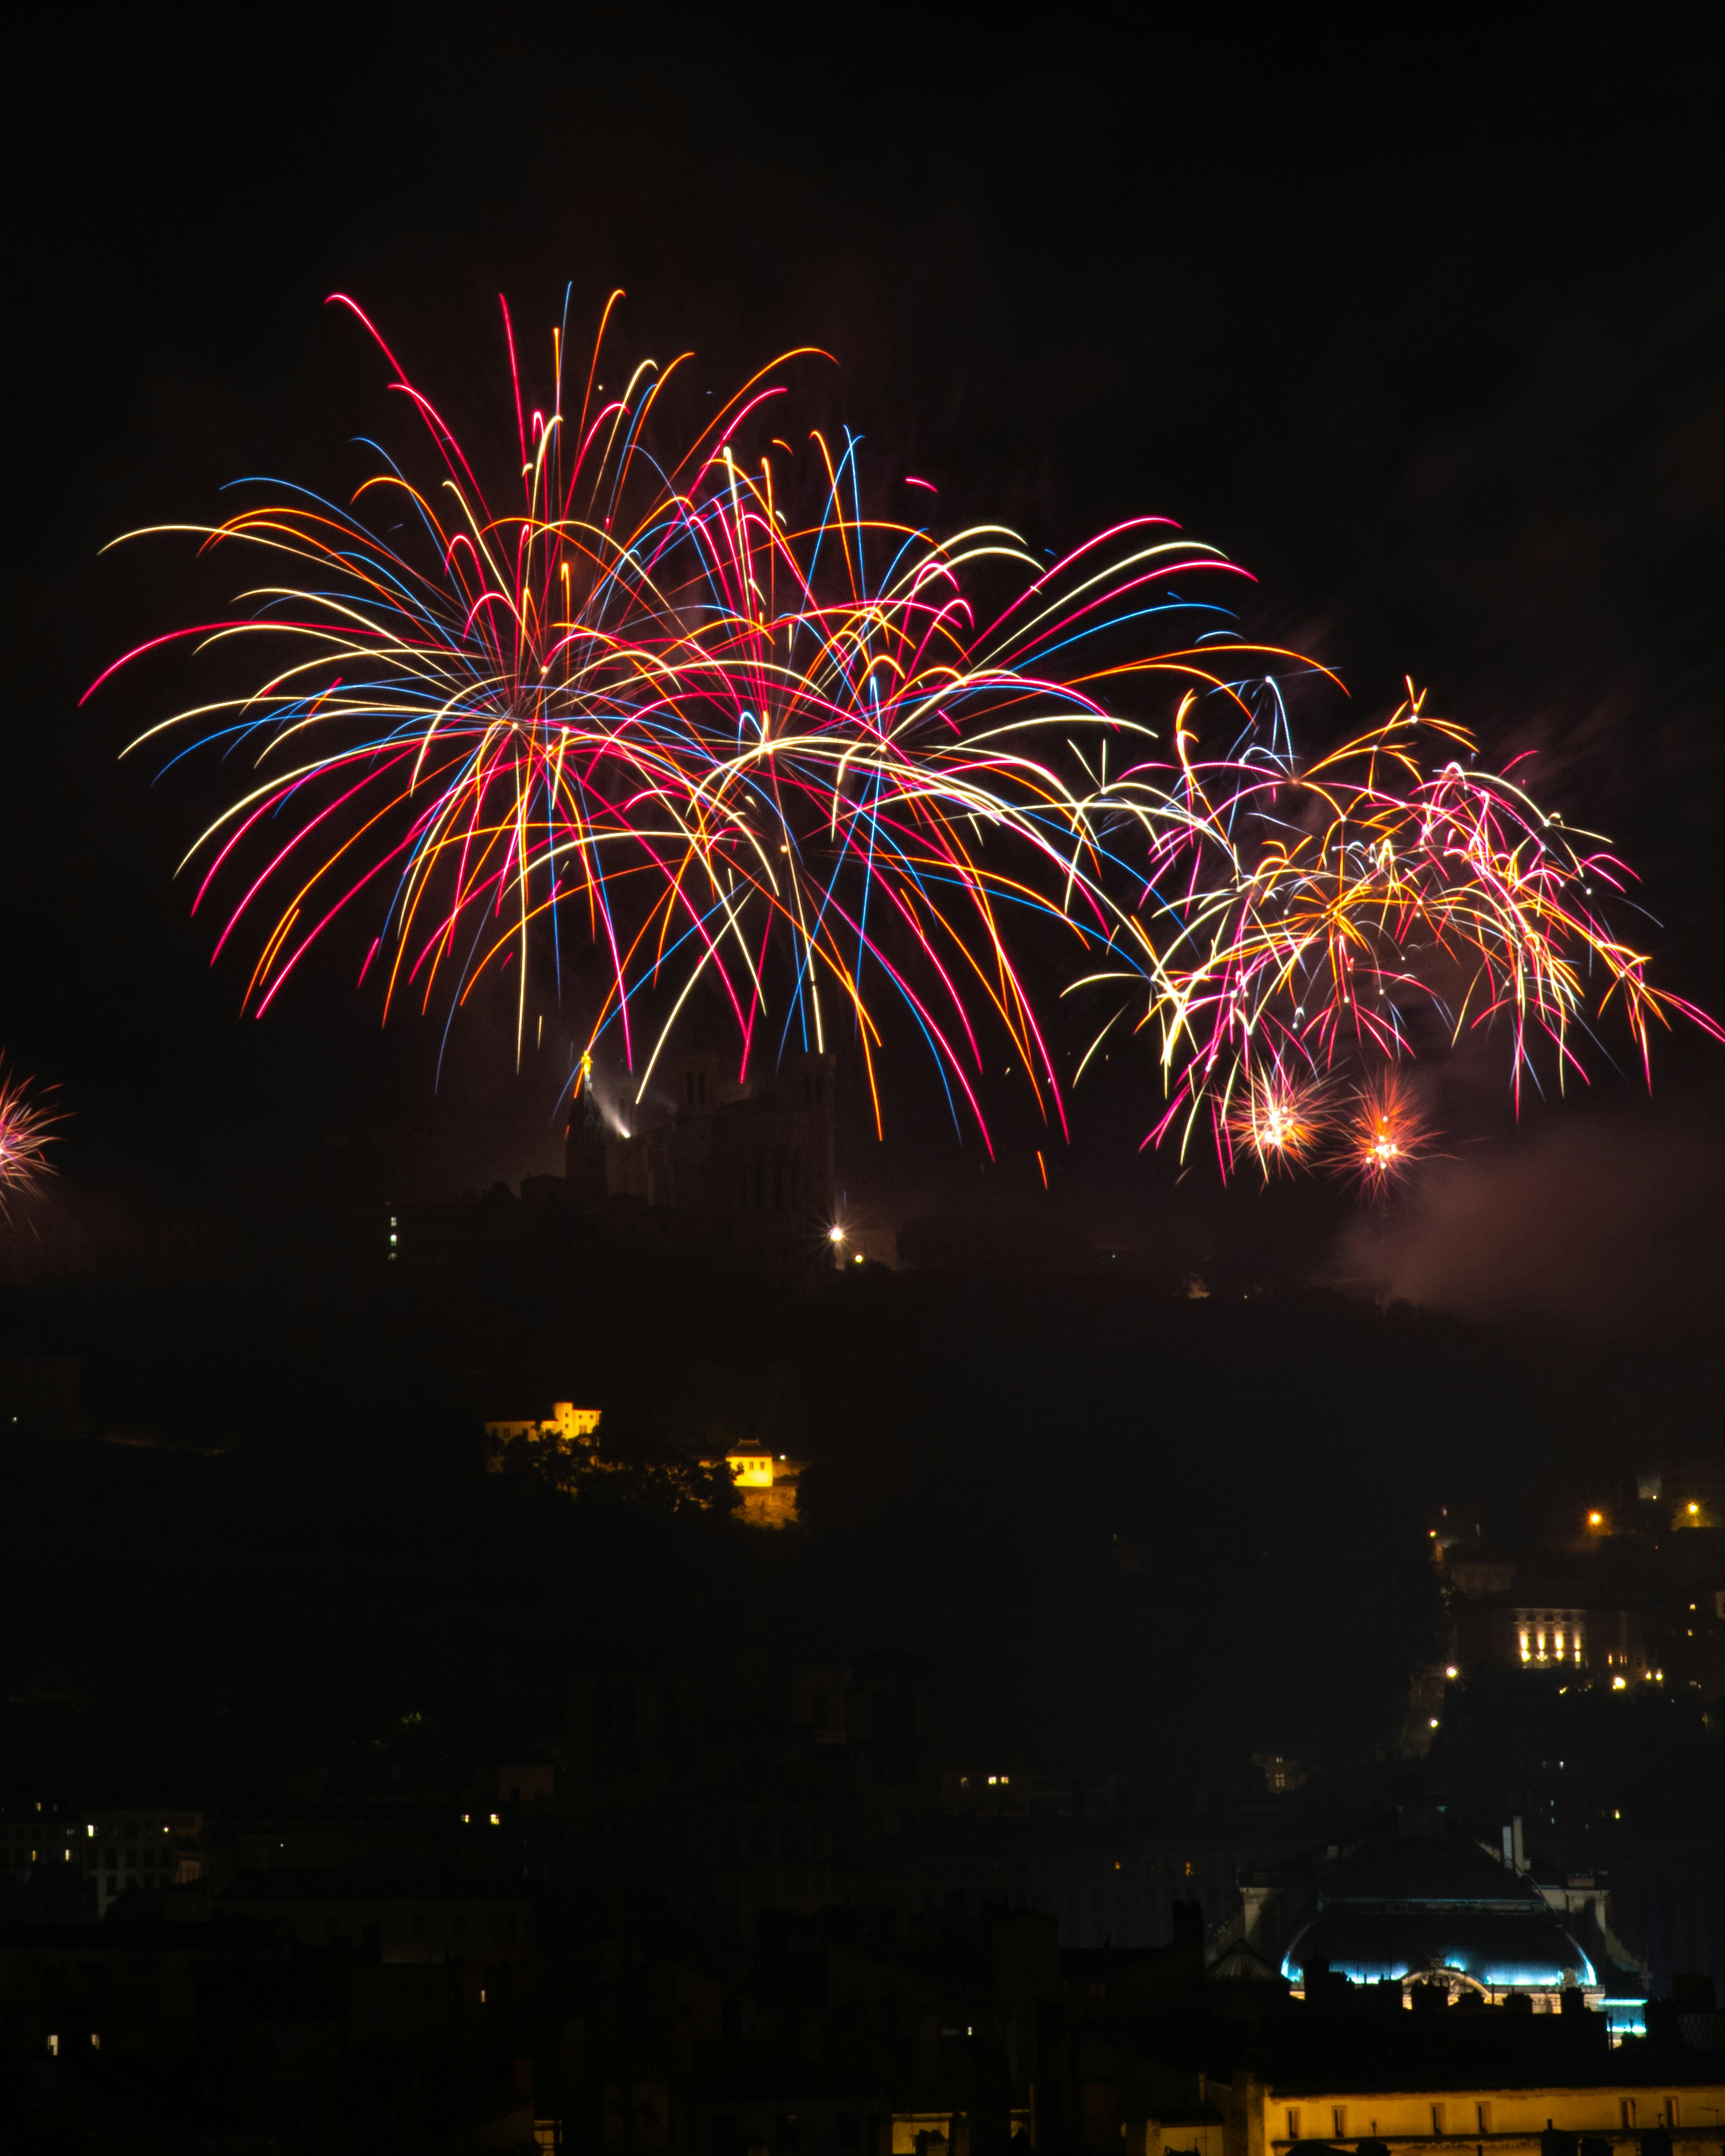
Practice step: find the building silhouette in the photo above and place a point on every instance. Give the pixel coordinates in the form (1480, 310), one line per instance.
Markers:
(744, 1165)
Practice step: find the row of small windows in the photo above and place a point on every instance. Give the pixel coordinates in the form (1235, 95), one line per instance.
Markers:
(96, 1860)
(1448, 2118)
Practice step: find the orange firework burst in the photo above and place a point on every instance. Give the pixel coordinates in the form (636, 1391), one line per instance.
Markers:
(1385, 1133)
(1281, 1119)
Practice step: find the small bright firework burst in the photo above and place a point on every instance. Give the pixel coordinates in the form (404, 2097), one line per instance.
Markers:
(1280, 1119)
(1385, 1133)
(26, 1131)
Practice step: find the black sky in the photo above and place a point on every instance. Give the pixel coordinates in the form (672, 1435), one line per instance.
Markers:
(1417, 315)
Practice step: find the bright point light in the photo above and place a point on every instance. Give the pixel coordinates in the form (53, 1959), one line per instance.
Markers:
(835, 1235)
(1452, 1671)
(1596, 1519)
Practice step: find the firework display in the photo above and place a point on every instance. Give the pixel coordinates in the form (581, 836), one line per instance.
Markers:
(709, 713)
(1302, 918)
(1383, 1133)
(25, 1134)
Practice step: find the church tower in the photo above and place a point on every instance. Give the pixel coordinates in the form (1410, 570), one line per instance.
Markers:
(584, 1147)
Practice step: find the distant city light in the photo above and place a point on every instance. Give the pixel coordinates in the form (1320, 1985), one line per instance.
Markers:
(1620, 1684)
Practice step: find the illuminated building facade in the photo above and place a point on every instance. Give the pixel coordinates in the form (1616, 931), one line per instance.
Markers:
(1446, 2108)
(566, 1424)
(1604, 1645)
(117, 1852)
(1544, 1639)
(768, 1483)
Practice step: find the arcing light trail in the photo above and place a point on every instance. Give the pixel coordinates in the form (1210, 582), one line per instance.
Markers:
(735, 727)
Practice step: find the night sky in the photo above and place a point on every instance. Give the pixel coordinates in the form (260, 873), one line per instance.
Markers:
(1417, 316)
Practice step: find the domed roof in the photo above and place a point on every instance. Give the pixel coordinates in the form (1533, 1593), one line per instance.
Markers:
(1404, 1906)
(1529, 1950)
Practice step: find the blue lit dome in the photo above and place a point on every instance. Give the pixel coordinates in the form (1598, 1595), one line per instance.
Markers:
(1415, 1909)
